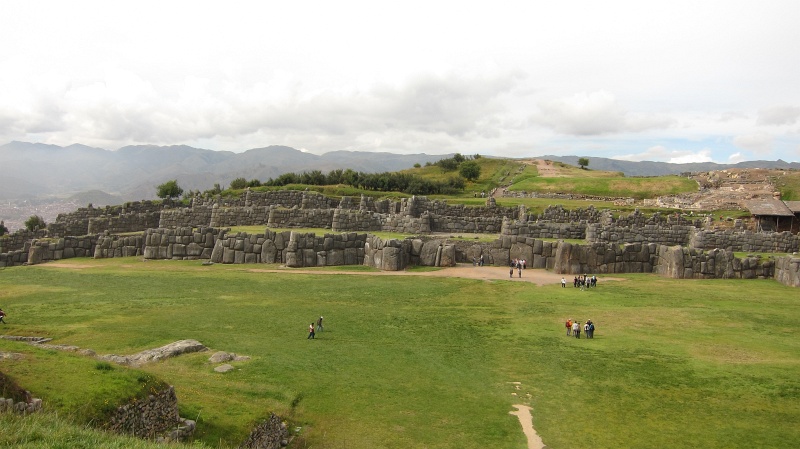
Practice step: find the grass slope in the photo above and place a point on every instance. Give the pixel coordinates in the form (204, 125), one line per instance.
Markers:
(407, 361)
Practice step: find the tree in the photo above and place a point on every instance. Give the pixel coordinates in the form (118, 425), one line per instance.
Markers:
(169, 189)
(583, 162)
(35, 222)
(238, 184)
(470, 170)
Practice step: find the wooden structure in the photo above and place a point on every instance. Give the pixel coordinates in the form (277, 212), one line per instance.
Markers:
(771, 214)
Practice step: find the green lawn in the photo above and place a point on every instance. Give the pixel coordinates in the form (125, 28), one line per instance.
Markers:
(638, 188)
(409, 361)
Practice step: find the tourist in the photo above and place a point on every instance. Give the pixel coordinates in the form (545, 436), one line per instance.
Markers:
(591, 329)
(481, 261)
(310, 332)
(576, 329)
(586, 329)
(319, 324)
(575, 282)
(520, 270)
(2, 315)
(511, 272)
(563, 283)
(569, 327)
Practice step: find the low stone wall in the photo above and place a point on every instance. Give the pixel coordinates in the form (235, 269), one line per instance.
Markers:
(151, 418)
(13, 258)
(270, 434)
(8, 405)
(787, 270)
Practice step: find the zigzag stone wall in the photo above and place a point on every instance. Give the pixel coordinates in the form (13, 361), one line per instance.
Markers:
(20, 239)
(183, 243)
(62, 248)
(109, 246)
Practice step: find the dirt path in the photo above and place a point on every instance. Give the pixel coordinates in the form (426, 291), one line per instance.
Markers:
(468, 271)
(524, 414)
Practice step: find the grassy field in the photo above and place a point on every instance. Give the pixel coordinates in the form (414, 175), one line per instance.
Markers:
(638, 188)
(408, 361)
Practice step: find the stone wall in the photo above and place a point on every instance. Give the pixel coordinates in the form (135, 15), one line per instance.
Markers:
(184, 243)
(14, 258)
(545, 229)
(270, 434)
(78, 222)
(239, 216)
(20, 239)
(151, 417)
(644, 233)
(127, 222)
(743, 241)
(300, 218)
(308, 250)
(787, 271)
(109, 246)
(61, 248)
(183, 217)
(283, 198)
(22, 407)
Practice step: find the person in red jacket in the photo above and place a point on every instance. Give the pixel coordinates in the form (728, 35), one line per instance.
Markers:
(569, 326)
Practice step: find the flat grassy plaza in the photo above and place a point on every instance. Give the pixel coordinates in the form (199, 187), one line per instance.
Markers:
(420, 361)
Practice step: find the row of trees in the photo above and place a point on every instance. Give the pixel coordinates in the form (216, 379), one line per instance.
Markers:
(409, 183)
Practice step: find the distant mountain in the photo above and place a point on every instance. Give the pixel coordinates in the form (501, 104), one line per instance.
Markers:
(651, 168)
(35, 170)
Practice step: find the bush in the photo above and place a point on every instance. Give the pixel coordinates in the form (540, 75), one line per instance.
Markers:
(35, 222)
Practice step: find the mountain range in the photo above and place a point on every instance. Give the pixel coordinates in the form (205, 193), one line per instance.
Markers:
(36, 170)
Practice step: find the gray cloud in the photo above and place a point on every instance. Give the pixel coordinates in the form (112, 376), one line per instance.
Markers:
(757, 143)
(595, 113)
(778, 115)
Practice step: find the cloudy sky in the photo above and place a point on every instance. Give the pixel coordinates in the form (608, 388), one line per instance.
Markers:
(676, 80)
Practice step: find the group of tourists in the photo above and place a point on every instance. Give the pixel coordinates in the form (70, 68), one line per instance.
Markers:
(584, 281)
(574, 328)
(312, 332)
(519, 265)
(479, 262)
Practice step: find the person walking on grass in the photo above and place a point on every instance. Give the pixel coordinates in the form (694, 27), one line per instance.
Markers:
(563, 283)
(591, 330)
(310, 332)
(586, 329)
(569, 327)
(576, 329)
(319, 324)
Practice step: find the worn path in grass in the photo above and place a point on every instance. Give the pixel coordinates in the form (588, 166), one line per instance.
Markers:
(538, 277)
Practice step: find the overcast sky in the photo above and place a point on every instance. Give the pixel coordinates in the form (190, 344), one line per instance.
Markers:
(676, 81)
